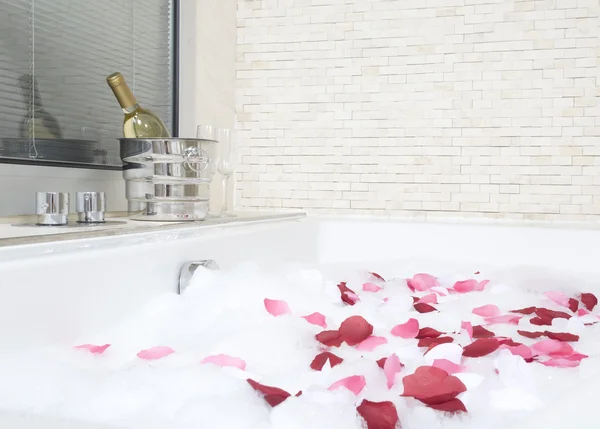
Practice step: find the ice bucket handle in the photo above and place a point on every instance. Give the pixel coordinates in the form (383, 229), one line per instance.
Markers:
(195, 159)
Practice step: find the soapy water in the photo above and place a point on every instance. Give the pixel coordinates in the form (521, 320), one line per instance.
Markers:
(226, 314)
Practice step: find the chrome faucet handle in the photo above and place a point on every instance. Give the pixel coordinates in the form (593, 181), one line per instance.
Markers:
(52, 208)
(90, 207)
(188, 269)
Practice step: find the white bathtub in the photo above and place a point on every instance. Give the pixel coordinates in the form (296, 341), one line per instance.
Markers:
(59, 292)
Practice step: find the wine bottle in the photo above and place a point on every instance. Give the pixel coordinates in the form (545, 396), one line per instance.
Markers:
(138, 122)
(38, 123)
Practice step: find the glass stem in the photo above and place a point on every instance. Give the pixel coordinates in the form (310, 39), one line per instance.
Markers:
(224, 181)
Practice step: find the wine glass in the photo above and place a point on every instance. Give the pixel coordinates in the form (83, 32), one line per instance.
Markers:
(226, 166)
(209, 132)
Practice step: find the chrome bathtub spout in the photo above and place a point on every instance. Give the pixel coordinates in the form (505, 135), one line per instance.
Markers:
(188, 269)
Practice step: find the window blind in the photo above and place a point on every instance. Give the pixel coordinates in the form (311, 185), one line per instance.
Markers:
(54, 59)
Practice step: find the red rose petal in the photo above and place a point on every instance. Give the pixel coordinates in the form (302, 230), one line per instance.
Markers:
(381, 362)
(432, 385)
(529, 334)
(573, 305)
(539, 321)
(355, 329)
(330, 338)
(526, 310)
(378, 415)
(552, 314)
(428, 333)
(377, 276)
(480, 332)
(452, 406)
(562, 336)
(347, 294)
(477, 272)
(319, 361)
(589, 300)
(273, 395)
(429, 342)
(481, 347)
(422, 307)
(508, 342)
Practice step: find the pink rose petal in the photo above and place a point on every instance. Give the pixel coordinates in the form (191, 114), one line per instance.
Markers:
(371, 343)
(391, 367)
(448, 366)
(354, 383)
(489, 310)
(558, 297)
(429, 299)
(561, 363)
(520, 350)
(422, 282)
(370, 287)
(470, 285)
(352, 297)
(553, 348)
(512, 319)
(276, 307)
(316, 319)
(97, 350)
(225, 360)
(155, 353)
(409, 329)
(467, 326)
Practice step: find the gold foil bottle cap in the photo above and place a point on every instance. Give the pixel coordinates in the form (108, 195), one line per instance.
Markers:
(122, 92)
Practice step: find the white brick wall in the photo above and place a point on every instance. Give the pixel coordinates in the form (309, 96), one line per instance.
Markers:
(420, 107)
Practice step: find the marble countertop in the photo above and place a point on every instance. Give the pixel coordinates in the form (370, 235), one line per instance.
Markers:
(22, 230)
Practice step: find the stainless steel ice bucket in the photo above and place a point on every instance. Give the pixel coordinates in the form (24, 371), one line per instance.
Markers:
(167, 179)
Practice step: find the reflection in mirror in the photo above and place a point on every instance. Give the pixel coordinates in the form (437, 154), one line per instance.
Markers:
(55, 107)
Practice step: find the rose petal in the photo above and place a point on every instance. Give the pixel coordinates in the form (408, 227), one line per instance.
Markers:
(276, 307)
(370, 287)
(155, 353)
(561, 363)
(545, 313)
(573, 305)
(381, 362)
(467, 326)
(553, 348)
(471, 285)
(421, 307)
(409, 329)
(529, 334)
(489, 310)
(422, 282)
(371, 343)
(97, 350)
(316, 319)
(520, 350)
(575, 356)
(558, 297)
(481, 347)
(562, 336)
(273, 395)
(589, 300)
(428, 333)
(432, 385)
(527, 310)
(354, 383)
(330, 338)
(355, 329)
(348, 296)
(377, 276)
(480, 332)
(378, 415)
(391, 367)
(452, 406)
(429, 342)
(512, 319)
(319, 361)
(449, 367)
(429, 299)
(225, 360)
